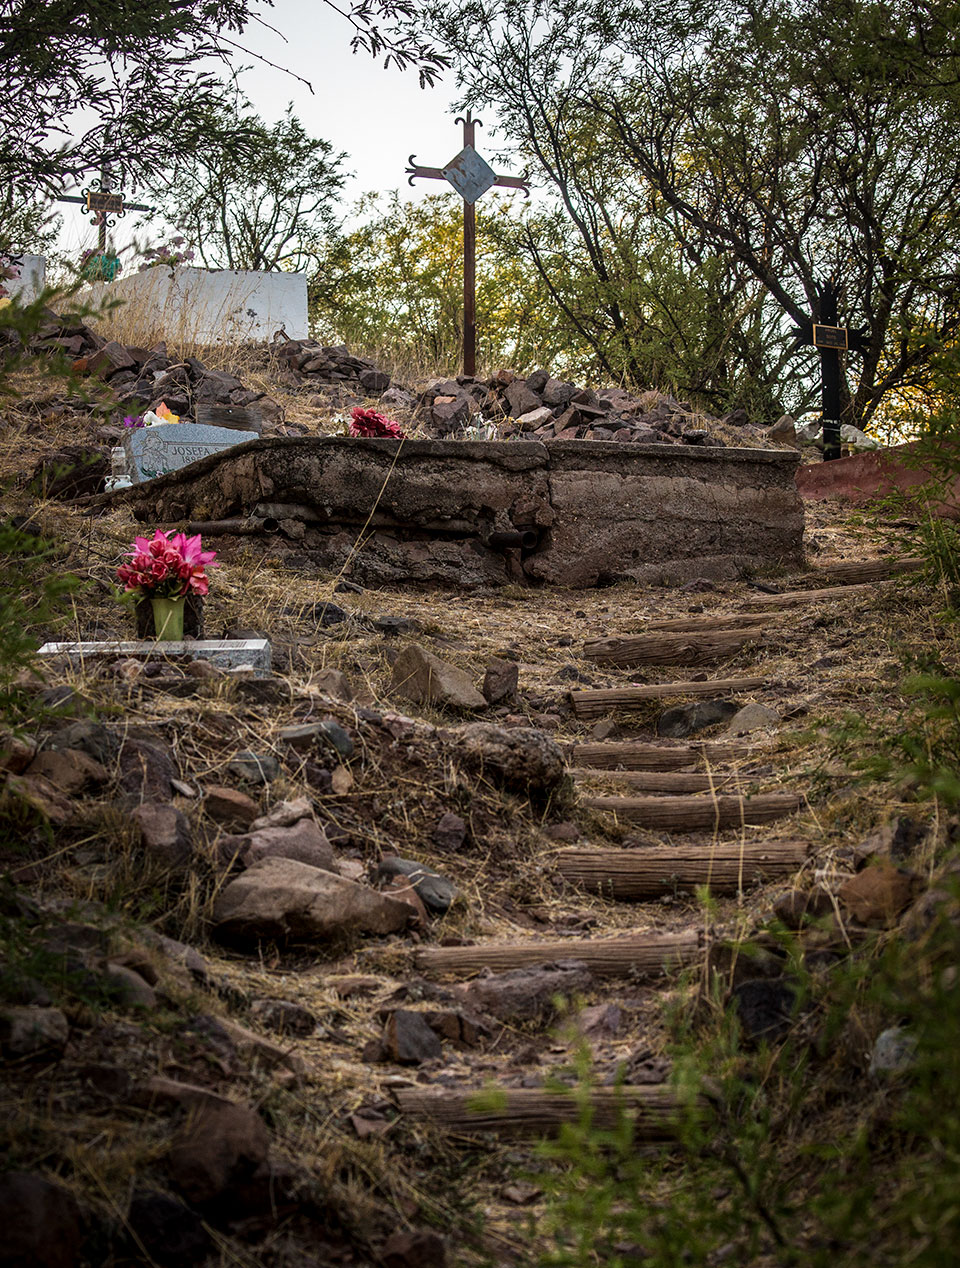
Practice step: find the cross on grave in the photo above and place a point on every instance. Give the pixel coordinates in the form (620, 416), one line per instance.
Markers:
(471, 176)
(104, 202)
(830, 340)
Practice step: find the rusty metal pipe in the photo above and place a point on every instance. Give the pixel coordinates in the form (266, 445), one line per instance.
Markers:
(512, 539)
(234, 528)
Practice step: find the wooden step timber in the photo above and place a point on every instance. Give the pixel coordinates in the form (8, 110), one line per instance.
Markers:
(642, 955)
(638, 875)
(853, 571)
(531, 1110)
(796, 598)
(663, 782)
(634, 755)
(669, 648)
(708, 624)
(681, 813)
(595, 703)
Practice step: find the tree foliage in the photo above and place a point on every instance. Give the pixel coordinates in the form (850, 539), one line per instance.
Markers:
(125, 83)
(255, 196)
(778, 144)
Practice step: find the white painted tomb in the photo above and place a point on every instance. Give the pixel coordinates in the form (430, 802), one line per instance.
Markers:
(209, 306)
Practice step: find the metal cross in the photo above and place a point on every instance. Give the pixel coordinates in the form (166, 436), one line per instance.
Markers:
(105, 203)
(471, 176)
(830, 340)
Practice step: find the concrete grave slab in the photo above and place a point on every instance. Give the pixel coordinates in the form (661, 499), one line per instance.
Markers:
(478, 513)
(226, 653)
(155, 451)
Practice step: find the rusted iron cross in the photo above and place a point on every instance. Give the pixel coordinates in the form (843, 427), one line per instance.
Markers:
(105, 203)
(471, 176)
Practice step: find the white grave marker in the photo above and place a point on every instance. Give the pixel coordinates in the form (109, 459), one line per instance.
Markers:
(153, 451)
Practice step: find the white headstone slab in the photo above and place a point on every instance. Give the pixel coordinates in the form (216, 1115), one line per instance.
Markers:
(153, 451)
(33, 274)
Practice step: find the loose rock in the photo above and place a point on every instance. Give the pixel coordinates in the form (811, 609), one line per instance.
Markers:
(284, 900)
(438, 894)
(521, 759)
(33, 1033)
(220, 1146)
(420, 676)
(686, 719)
(164, 833)
(41, 1223)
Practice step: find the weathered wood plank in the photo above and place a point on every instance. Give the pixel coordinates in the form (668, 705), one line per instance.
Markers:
(643, 955)
(635, 755)
(680, 813)
(707, 624)
(854, 571)
(796, 598)
(637, 875)
(667, 648)
(665, 782)
(522, 1111)
(598, 701)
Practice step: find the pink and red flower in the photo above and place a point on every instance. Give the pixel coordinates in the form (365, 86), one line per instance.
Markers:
(369, 422)
(167, 567)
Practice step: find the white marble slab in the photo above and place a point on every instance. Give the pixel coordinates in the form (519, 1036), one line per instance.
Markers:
(227, 653)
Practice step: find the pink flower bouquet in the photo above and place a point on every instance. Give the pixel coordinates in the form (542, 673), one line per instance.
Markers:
(167, 567)
(368, 422)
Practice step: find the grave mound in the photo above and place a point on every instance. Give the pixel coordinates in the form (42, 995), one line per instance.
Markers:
(568, 513)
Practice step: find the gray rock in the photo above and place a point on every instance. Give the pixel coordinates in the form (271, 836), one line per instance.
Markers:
(284, 1017)
(894, 1052)
(408, 1039)
(436, 892)
(328, 733)
(171, 1234)
(420, 676)
(255, 768)
(784, 432)
(686, 719)
(529, 993)
(303, 840)
(450, 832)
(27, 1032)
(165, 834)
(521, 758)
(287, 901)
(753, 717)
(500, 681)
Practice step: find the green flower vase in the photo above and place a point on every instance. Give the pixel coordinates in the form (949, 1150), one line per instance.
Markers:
(168, 619)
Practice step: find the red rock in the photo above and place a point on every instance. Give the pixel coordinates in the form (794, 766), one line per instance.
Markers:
(877, 895)
(70, 771)
(229, 807)
(41, 1223)
(164, 834)
(414, 1250)
(31, 797)
(401, 889)
(219, 1147)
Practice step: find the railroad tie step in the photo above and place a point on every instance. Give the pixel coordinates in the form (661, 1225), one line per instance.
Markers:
(663, 782)
(639, 874)
(514, 1111)
(681, 813)
(599, 701)
(634, 755)
(640, 956)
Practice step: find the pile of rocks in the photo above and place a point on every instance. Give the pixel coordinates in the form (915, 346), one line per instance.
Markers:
(549, 409)
(143, 377)
(310, 365)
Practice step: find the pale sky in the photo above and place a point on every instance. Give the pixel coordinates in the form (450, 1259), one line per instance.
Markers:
(379, 117)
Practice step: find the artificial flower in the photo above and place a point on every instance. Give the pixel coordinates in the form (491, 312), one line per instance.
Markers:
(369, 422)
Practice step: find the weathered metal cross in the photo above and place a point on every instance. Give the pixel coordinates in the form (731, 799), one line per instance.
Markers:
(471, 176)
(830, 340)
(105, 203)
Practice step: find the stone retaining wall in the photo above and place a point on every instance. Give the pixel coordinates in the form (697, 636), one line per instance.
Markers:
(424, 511)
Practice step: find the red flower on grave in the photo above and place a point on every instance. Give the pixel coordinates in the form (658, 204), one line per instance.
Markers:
(369, 422)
